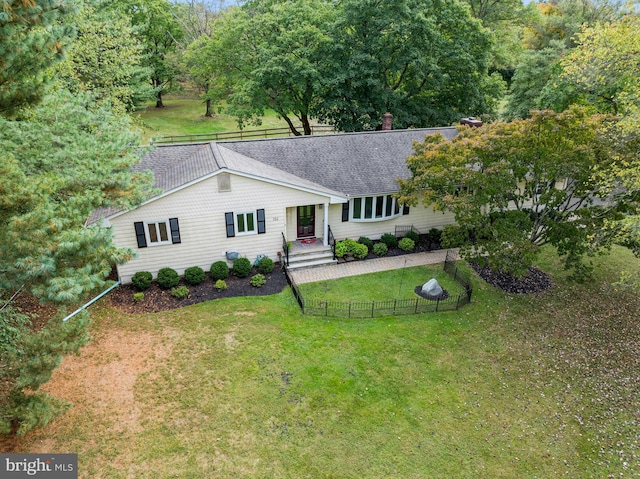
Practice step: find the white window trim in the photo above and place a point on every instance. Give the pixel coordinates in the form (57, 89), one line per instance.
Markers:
(362, 219)
(156, 223)
(255, 222)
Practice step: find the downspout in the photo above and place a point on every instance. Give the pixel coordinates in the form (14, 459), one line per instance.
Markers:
(104, 293)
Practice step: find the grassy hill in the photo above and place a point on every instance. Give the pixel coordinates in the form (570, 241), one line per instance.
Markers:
(185, 116)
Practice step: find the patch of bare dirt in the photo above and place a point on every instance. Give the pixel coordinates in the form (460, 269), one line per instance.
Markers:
(100, 383)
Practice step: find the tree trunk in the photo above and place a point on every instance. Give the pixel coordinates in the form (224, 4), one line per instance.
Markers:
(306, 126)
(209, 113)
(159, 103)
(291, 125)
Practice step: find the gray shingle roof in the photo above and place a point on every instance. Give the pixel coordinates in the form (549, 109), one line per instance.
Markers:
(347, 164)
(352, 163)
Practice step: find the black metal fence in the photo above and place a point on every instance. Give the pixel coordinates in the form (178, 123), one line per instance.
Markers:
(402, 230)
(373, 309)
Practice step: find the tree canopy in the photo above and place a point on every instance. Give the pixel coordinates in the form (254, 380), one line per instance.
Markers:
(160, 33)
(515, 186)
(106, 59)
(347, 63)
(33, 36)
(65, 159)
(437, 77)
(269, 55)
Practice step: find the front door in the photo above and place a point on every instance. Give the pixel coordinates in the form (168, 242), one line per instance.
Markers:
(306, 221)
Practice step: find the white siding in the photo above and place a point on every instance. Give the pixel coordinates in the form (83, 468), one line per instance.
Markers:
(200, 210)
(420, 217)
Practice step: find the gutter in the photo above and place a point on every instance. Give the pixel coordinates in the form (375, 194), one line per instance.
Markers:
(85, 306)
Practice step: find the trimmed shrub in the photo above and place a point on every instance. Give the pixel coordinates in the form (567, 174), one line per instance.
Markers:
(221, 285)
(390, 240)
(407, 244)
(219, 270)
(138, 297)
(360, 251)
(258, 280)
(194, 275)
(180, 292)
(342, 248)
(349, 246)
(265, 265)
(380, 249)
(367, 242)
(413, 236)
(168, 278)
(241, 267)
(142, 280)
(454, 236)
(435, 235)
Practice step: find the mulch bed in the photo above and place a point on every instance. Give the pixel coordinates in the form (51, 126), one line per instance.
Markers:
(534, 282)
(157, 299)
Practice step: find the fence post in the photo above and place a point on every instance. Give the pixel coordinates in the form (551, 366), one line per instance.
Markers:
(373, 308)
(349, 315)
(395, 301)
(326, 308)
(458, 302)
(416, 310)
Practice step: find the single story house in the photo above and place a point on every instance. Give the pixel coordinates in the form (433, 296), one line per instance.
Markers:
(249, 196)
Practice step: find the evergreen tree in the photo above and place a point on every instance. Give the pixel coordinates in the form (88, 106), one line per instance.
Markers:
(62, 161)
(59, 163)
(33, 36)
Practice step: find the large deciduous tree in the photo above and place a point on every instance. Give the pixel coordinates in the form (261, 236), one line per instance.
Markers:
(197, 19)
(268, 55)
(423, 61)
(519, 185)
(33, 35)
(605, 67)
(606, 64)
(106, 59)
(160, 33)
(538, 82)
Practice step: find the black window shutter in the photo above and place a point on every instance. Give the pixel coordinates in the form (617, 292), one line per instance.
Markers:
(231, 231)
(175, 230)
(405, 210)
(261, 222)
(345, 211)
(142, 239)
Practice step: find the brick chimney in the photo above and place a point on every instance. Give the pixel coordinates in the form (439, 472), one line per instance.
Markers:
(387, 120)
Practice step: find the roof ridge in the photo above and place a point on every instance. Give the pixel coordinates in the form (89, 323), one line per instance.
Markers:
(338, 134)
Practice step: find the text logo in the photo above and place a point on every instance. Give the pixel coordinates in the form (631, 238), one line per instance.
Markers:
(44, 466)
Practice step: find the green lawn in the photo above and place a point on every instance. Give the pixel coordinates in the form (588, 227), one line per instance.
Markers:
(185, 116)
(384, 286)
(510, 386)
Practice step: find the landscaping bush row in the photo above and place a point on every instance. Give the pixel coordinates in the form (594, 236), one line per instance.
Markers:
(388, 241)
(168, 278)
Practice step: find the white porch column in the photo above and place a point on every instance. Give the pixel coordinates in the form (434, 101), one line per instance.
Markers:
(325, 235)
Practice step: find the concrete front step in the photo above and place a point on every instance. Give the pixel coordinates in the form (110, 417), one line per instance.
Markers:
(311, 259)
